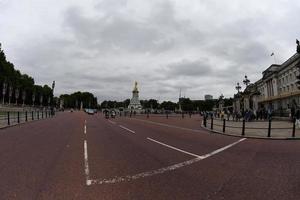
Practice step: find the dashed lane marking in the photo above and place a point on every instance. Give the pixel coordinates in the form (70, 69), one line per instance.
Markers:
(86, 164)
(127, 129)
(161, 170)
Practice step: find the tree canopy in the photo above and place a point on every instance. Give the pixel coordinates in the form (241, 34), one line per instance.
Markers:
(17, 85)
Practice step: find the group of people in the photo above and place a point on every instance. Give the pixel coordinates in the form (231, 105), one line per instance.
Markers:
(248, 115)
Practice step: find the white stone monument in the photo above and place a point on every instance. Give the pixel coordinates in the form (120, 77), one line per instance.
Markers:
(135, 102)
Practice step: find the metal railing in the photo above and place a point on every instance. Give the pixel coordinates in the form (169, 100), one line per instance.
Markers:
(8, 118)
(211, 121)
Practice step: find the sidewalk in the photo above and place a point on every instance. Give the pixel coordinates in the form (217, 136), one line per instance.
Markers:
(257, 129)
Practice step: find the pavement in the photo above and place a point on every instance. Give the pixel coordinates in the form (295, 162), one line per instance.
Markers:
(80, 156)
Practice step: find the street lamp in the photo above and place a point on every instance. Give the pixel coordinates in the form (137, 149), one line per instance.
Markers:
(238, 87)
(246, 81)
(4, 91)
(17, 94)
(24, 96)
(41, 100)
(33, 99)
(10, 93)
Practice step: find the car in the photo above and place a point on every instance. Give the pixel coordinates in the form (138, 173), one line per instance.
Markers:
(89, 111)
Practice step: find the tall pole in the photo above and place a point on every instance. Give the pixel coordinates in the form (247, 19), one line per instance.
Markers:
(4, 91)
(24, 96)
(10, 91)
(17, 93)
(33, 99)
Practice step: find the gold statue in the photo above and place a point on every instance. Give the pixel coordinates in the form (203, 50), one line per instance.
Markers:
(135, 86)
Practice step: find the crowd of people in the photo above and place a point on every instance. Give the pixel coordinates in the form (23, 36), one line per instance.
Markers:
(250, 115)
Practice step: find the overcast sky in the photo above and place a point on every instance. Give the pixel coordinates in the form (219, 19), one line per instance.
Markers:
(201, 46)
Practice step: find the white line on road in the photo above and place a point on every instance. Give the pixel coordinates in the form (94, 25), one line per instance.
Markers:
(127, 129)
(171, 147)
(162, 170)
(112, 122)
(86, 164)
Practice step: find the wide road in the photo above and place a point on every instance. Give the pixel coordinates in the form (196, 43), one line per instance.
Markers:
(80, 156)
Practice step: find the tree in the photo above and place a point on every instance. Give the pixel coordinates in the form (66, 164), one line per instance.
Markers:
(168, 105)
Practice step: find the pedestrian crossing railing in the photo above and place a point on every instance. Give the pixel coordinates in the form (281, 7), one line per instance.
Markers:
(9, 118)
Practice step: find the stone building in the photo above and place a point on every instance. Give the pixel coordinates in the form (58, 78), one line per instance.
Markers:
(277, 90)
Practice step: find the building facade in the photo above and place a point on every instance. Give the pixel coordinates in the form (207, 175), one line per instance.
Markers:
(276, 91)
(208, 97)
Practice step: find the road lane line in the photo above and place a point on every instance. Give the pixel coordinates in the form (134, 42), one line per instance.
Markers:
(86, 164)
(162, 170)
(112, 122)
(172, 147)
(127, 129)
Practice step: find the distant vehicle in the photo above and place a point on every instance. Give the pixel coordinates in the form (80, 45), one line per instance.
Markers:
(90, 111)
(71, 110)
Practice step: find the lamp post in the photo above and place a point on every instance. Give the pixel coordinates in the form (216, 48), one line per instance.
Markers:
(4, 91)
(10, 91)
(49, 100)
(246, 81)
(17, 94)
(24, 96)
(238, 87)
(33, 99)
(41, 100)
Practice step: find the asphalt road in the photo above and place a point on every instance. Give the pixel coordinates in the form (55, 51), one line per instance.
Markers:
(80, 156)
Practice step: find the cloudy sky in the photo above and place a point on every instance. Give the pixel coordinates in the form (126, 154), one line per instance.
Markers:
(200, 46)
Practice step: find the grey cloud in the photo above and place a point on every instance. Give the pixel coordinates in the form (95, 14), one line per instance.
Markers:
(198, 68)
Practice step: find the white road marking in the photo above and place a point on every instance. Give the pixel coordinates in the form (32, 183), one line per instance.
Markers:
(84, 127)
(86, 164)
(171, 147)
(112, 122)
(127, 129)
(161, 170)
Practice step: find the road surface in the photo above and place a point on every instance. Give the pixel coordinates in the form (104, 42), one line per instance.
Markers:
(80, 156)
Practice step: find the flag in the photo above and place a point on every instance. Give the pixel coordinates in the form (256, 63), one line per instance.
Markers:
(272, 54)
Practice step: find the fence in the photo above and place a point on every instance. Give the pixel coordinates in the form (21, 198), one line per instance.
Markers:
(257, 128)
(11, 117)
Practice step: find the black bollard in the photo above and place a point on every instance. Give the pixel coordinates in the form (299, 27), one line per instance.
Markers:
(18, 117)
(212, 124)
(224, 121)
(8, 119)
(243, 128)
(269, 129)
(26, 119)
(294, 127)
